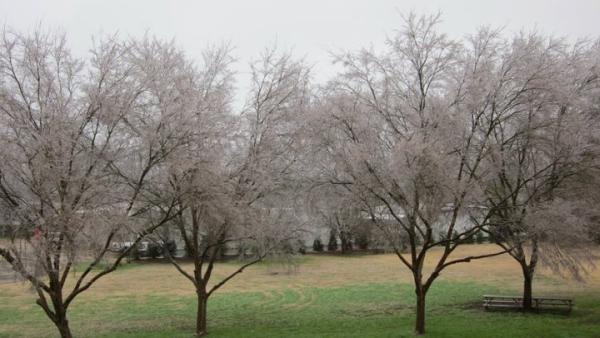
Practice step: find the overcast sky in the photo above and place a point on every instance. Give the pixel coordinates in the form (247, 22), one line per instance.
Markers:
(312, 28)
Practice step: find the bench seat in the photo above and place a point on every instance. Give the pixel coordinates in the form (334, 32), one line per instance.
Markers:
(516, 302)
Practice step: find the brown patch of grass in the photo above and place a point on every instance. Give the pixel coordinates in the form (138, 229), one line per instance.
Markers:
(320, 271)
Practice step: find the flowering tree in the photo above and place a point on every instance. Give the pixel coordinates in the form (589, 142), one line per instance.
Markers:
(442, 140)
(405, 138)
(81, 142)
(231, 175)
(542, 153)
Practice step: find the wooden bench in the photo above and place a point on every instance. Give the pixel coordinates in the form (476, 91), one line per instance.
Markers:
(538, 303)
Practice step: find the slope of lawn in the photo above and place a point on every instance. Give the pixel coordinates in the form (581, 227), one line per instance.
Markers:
(317, 296)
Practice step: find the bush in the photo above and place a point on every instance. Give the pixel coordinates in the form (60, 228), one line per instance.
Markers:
(469, 240)
(317, 245)
(157, 249)
(441, 237)
(134, 254)
(171, 247)
(346, 239)
(154, 250)
(4, 230)
(362, 241)
(480, 238)
(301, 247)
(418, 239)
(332, 245)
(456, 237)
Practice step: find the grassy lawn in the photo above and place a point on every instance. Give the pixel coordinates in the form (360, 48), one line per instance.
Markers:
(326, 296)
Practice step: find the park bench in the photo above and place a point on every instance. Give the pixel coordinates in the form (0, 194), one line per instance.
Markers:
(538, 303)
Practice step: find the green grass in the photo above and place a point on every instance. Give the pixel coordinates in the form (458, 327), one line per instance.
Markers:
(363, 310)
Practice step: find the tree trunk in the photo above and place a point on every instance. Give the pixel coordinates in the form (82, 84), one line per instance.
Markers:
(201, 329)
(62, 324)
(527, 289)
(420, 320)
(58, 312)
(528, 272)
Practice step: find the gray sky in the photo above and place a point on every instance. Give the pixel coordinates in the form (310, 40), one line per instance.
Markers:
(311, 28)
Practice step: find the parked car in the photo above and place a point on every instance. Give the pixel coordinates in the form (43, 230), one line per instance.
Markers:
(146, 248)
